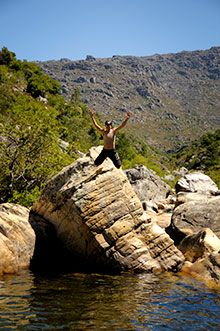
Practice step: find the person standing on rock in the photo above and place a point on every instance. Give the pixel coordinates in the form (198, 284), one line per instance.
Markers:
(109, 140)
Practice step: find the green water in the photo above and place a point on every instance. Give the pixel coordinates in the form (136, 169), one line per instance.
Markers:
(100, 302)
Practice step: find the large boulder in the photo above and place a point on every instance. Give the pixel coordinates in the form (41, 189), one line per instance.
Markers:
(194, 182)
(193, 216)
(100, 221)
(147, 185)
(17, 238)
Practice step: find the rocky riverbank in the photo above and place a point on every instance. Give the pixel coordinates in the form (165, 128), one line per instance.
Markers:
(106, 220)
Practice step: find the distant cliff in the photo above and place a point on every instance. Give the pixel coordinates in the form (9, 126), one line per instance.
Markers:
(174, 98)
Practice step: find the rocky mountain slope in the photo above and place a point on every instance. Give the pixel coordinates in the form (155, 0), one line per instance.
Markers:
(174, 98)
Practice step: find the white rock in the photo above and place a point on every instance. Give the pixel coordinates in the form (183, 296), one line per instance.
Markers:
(196, 182)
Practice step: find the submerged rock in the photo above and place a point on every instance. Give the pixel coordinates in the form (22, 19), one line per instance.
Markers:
(17, 238)
(206, 270)
(100, 221)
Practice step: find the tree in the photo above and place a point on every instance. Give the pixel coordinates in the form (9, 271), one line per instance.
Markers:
(29, 148)
(7, 57)
(75, 97)
(30, 69)
(39, 85)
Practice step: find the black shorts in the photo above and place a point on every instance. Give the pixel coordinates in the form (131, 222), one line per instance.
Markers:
(112, 154)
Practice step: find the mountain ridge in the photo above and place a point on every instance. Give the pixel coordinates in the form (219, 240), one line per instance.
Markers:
(174, 98)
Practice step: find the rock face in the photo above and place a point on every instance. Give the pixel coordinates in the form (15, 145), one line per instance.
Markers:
(147, 185)
(193, 216)
(17, 238)
(195, 182)
(100, 220)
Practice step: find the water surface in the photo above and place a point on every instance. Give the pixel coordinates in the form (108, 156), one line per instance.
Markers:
(101, 302)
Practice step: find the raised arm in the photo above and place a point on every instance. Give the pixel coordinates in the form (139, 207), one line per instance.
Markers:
(123, 123)
(92, 113)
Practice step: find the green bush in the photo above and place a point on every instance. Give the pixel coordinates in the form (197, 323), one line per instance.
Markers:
(29, 150)
(26, 197)
(7, 58)
(41, 84)
(3, 74)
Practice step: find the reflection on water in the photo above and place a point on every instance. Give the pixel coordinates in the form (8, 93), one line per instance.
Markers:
(99, 302)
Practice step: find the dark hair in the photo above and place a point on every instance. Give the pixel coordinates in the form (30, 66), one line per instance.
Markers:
(108, 123)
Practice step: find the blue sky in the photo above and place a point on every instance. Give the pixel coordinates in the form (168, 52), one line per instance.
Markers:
(53, 29)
